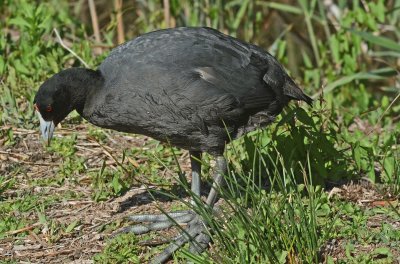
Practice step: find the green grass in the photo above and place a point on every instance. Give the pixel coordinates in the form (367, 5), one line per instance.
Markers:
(278, 204)
(119, 250)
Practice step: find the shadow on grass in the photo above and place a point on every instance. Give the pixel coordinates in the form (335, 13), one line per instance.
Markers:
(178, 191)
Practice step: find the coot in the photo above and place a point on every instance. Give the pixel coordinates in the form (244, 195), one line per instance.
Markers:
(195, 88)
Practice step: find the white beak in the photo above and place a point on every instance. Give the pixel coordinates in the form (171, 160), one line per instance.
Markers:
(46, 127)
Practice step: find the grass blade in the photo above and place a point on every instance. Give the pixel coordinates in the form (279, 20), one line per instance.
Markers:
(378, 40)
(372, 75)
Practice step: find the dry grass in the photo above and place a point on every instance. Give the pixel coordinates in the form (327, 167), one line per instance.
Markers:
(88, 238)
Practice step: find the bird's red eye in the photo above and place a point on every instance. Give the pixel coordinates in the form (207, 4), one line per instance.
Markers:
(49, 108)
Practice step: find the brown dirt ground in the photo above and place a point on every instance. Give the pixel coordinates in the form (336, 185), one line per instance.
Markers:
(366, 195)
(80, 245)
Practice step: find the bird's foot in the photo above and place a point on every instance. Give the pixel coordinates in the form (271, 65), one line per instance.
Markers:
(194, 233)
(157, 222)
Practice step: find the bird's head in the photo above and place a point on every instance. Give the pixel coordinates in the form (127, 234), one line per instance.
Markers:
(62, 93)
(52, 104)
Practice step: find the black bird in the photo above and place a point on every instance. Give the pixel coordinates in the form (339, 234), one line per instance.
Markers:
(195, 88)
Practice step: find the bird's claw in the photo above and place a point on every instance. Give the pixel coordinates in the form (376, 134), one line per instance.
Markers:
(193, 233)
(157, 222)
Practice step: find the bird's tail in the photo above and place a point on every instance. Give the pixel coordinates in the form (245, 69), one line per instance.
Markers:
(293, 91)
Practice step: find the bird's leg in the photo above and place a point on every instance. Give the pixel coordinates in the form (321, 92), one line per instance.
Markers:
(164, 221)
(202, 239)
(220, 171)
(195, 163)
(195, 233)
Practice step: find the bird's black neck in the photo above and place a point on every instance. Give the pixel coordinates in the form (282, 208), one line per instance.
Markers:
(79, 83)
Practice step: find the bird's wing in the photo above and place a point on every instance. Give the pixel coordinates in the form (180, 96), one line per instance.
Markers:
(157, 60)
(188, 73)
(198, 96)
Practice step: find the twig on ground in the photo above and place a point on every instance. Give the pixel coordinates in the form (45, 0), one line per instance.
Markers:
(27, 228)
(67, 48)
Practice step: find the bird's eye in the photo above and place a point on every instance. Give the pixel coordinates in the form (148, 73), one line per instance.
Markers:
(49, 108)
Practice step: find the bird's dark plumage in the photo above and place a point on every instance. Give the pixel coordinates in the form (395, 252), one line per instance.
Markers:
(193, 87)
(185, 85)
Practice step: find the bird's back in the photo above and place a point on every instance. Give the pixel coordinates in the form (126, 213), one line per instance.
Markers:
(188, 85)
